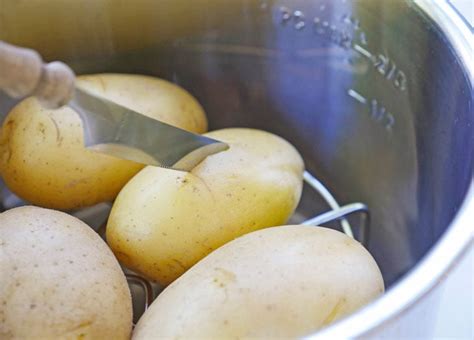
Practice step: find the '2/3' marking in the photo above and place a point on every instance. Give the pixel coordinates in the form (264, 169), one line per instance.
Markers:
(385, 66)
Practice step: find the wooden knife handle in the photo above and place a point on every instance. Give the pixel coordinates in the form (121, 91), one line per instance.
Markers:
(23, 73)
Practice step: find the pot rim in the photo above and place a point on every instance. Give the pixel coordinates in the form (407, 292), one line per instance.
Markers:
(448, 251)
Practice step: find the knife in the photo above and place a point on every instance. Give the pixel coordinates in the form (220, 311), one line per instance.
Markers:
(109, 128)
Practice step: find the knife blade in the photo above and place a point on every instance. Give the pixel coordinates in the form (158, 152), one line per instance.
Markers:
(108, 127)
(118, 131)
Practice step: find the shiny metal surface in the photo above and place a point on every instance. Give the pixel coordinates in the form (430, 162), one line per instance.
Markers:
(118, 131)
(401, 145)
(340, 213)
(330, 200)
(409, 309)
(376, 95)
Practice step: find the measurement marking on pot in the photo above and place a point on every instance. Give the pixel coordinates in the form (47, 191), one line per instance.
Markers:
(363, 51)
(377, 111)
(363, 38)
(348, 19)
(285, 14)
(349, 37)
(357, 96)
(297, 16)
(385, 66)
(390, 71)
(332, 33)
(300, 25)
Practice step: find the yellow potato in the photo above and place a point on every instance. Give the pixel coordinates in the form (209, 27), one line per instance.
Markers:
(279, 282)
(164, 221)
(59, 280)
(42, 155)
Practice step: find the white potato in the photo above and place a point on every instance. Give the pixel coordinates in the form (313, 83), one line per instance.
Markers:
(42, 155)
(58, 279)
(284, 282)
(164, 221)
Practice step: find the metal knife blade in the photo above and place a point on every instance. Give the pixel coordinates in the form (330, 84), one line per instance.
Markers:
(118, 131)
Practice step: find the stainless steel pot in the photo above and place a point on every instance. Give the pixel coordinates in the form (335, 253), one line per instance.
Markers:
(377, 96)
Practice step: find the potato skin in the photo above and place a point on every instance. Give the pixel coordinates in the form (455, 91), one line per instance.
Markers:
(153, 97)
(164, 221)
(59, 279)
(278, 282)
(42, 155)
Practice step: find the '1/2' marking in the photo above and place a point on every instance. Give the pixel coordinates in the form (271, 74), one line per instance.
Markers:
(377, 111)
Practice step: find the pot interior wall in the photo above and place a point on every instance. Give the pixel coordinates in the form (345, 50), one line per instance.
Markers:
(369, 92)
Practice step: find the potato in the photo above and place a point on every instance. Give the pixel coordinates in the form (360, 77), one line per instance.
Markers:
(164, 221)
(42, 155)
(274, 283)
(59, 279)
